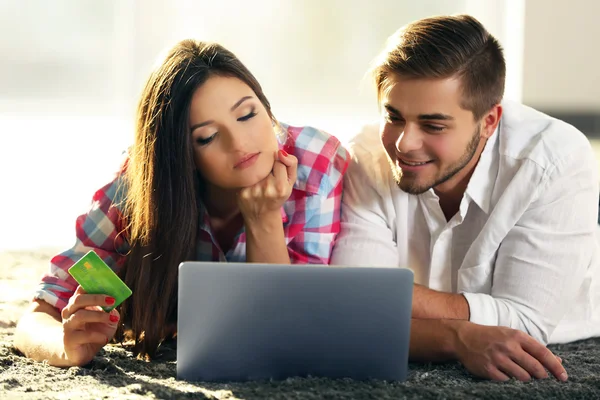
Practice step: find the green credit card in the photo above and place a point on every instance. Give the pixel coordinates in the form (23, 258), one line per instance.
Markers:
(95, 277)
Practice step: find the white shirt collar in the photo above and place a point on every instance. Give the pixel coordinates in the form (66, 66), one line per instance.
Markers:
(481, 184)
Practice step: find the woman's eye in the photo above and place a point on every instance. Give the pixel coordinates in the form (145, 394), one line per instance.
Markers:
(246, 117)
(204, 142)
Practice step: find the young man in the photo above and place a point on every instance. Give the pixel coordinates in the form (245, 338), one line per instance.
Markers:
(492, 204)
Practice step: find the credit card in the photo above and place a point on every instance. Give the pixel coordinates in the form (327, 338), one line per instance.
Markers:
(95, 277)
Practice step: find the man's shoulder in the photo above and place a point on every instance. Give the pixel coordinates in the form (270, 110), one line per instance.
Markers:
(526, 133)
(369, 161)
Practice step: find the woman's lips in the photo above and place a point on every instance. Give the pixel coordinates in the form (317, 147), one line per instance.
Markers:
(246, 161)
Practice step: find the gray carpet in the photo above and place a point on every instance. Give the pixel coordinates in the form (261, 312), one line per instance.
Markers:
(115, 374)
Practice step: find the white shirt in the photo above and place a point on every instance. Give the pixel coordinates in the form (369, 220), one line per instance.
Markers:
(522, 249)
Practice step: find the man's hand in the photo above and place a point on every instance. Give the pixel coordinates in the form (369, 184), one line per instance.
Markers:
(501, 353)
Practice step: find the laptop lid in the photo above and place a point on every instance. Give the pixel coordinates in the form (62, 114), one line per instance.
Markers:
(239, 322)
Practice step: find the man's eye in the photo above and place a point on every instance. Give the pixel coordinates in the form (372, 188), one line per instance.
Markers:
(393, 119)
(435, 128)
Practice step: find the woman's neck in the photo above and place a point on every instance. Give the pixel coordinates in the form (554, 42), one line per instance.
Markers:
(224, 215)
(220, 203)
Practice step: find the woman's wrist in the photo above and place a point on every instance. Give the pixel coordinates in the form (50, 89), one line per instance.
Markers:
(265, 240)
(265, 223)
(41, 338)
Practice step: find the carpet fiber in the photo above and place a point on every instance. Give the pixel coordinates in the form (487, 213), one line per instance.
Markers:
(114, 373)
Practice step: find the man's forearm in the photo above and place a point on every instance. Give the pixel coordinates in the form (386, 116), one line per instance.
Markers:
(431, 304)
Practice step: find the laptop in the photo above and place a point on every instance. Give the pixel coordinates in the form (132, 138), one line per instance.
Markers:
(244, 321)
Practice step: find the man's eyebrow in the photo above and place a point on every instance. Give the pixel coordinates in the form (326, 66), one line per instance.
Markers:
(391, 109)
(436, 116)
(422, 117)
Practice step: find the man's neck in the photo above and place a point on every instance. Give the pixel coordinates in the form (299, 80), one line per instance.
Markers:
(450, 202)
(452, 191)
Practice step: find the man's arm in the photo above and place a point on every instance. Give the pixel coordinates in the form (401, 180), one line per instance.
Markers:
(490, 352)
(431, 304)
(365, 238)
(542, 261)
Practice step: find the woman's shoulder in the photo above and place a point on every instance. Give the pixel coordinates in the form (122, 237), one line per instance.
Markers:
(112, 188)
(322, 160)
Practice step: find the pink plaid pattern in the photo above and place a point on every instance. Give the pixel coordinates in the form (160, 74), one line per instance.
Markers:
(311, 218)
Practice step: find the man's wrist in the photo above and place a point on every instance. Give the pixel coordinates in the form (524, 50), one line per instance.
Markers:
(451, 343)
(468, 306)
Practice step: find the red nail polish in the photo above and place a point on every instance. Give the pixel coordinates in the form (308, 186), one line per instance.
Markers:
(283, 153)
(113, 318)
(110, 301)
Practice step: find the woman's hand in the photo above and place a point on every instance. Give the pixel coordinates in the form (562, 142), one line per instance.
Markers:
(260, 206)
(87, 328)
(263, 200)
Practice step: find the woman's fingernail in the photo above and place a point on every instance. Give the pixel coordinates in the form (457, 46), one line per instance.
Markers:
(110, 300)
(113, 318)
(283, 153)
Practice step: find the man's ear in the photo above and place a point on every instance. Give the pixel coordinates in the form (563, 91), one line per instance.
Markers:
(491, 120)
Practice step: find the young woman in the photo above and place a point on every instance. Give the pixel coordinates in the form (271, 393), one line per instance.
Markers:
(212, 175)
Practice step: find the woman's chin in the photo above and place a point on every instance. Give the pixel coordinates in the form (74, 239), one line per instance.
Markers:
(253, 179)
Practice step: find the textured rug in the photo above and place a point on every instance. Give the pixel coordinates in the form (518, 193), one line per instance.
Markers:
(114, 373)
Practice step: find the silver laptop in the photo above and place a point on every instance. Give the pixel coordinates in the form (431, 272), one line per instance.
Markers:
(240, 322)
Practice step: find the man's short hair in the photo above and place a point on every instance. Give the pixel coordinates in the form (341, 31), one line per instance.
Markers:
(445, 47)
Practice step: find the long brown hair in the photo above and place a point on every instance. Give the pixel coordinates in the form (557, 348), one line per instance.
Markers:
(443, 47)
(162, 188)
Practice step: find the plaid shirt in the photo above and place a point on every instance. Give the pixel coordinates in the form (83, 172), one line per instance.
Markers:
(311, 218)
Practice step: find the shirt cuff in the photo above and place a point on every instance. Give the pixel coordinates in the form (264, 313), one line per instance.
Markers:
(483, 309)
(54, 295)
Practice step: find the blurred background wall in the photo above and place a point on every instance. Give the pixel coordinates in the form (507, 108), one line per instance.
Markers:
(561, 63)
(71, 72)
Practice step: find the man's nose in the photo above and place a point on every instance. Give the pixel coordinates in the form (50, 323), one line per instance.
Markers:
(410, 139)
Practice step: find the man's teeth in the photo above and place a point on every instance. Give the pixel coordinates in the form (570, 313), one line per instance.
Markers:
(414, 164)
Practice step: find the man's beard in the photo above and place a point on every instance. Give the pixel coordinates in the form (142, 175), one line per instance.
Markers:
(410, 186)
